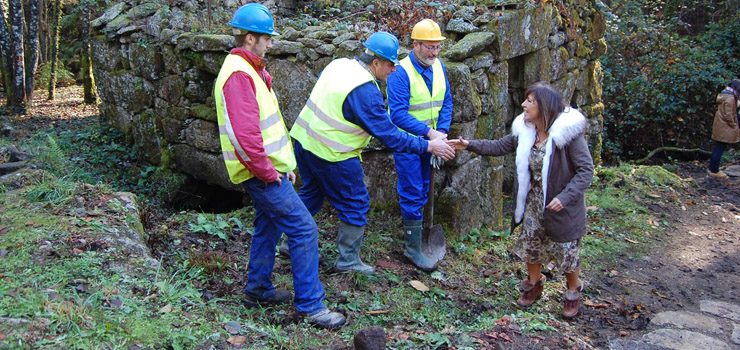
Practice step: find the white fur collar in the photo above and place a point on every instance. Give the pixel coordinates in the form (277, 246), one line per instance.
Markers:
(570, 124)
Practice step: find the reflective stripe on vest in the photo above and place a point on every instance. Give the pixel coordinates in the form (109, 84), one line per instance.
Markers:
(423, 105)
(321, 127)
(275, 138)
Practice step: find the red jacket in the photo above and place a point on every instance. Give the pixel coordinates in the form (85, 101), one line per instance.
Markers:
(241, 102)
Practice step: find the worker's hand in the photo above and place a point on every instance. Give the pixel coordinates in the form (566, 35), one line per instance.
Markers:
(279, 180)
(459, 144)
(434, 135)
(555, 205)
(291, 177)
(441, 149)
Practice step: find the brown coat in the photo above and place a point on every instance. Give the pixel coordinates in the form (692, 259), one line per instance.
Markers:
(567, 170)
(725, 127)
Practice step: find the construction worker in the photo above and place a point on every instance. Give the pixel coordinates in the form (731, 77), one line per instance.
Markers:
(346, 107)
(258, 156)
(420, 103)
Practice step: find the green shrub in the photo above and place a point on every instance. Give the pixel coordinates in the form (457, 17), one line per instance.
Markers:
(64, 76)
(660, 87)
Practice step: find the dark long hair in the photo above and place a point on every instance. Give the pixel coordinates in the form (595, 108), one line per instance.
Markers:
(549, 101)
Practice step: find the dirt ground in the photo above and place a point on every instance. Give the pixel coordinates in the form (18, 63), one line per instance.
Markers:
(697, 258)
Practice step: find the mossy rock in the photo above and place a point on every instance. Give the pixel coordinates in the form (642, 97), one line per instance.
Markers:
(470, 45)
(466, 101)
(202, 111)
(205, 42)
(143, 10)
(109, 14)
(117, 23)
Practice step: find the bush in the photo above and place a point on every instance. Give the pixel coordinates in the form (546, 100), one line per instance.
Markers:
(64, 76)
(659, 87)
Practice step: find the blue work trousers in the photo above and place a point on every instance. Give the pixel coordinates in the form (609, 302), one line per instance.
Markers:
(413, 183)
(278, 209)
(342, 183)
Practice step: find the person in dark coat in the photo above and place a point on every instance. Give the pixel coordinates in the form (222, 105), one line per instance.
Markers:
(554, 168)
(725, 128)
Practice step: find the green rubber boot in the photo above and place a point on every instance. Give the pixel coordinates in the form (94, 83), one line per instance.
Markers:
(412, 229)
(349, 242)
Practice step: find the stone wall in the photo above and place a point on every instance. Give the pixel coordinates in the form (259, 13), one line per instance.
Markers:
(155, 78)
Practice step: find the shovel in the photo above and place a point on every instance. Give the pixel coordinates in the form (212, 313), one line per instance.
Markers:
(433, 242)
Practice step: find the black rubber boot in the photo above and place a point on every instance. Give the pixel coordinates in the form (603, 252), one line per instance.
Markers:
(412, 230)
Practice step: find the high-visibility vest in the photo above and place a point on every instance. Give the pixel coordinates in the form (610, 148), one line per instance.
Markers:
(423, 105)
(275, 138)
(321, 127)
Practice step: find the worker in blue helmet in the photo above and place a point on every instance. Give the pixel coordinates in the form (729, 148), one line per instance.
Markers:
(345, 109)
(258, 156)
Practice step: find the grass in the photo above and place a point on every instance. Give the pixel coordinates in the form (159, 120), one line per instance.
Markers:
(98, 298)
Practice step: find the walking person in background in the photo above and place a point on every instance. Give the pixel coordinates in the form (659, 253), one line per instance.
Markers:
(420, 103)
(345, 109)
(725, 128)
(258, 156)
(553, 170)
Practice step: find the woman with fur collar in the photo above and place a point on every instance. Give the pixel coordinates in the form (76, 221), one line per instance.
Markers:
(725, 127)
(554, 168)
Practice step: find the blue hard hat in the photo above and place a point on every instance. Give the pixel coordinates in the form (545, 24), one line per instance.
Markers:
(383, 44)
(254, 17)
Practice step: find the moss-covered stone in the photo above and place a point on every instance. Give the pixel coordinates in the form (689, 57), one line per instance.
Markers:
(202, 135)
(117, 23)
(146, 61)
(172, 89)
(470, 45)
(109, 14)
(466, 101)
(598, 26)
(203, 111)
(595, 77)
(282, 47)
(582, 50)
(592, 110)
(143, 10)
(599, 49)
(558, 62)
(205, 42)
(146, 134)
(521, 31)
(537, 66)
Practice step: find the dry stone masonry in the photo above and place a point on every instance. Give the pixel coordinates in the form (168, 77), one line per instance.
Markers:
(155, 66)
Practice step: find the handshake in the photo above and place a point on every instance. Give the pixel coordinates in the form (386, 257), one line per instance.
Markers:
(443, 149)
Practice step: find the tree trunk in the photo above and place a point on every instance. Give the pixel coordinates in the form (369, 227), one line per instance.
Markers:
(18, 101)
(91, 96)
(6, 65)
(32, 49)
(56, 16)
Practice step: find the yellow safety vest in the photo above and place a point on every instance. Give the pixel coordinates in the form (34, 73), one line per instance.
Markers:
(424, 106)
(275, 138)
(321, 127)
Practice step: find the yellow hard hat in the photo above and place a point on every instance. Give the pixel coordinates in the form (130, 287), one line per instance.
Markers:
(427, 30)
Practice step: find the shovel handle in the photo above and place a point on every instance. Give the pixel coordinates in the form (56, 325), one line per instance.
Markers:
(429, 207)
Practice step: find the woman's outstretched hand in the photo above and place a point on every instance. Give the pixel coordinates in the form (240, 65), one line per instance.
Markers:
(459, 143)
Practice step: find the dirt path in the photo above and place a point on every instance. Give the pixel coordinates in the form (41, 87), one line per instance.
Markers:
(697, 259)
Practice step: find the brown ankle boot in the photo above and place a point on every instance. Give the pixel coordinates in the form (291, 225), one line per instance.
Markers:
(571, 303)
(530, 291)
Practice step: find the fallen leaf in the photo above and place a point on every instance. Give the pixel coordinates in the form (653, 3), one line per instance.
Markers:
(659, 294)
(77, 251)
(377, 312)
(694, 233)
(504, 321)
(418, 285)
(594, 305)
(2, 336)
(166, 309)
(654, 195)
(631, 241)
(623, 333)
(592, 208)
(29, 223)
(403, 336)
(237, 340)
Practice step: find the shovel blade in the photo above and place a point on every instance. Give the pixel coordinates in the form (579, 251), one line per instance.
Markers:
(434, 243)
